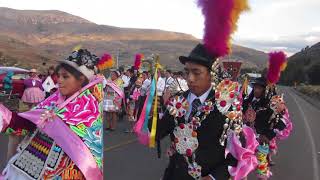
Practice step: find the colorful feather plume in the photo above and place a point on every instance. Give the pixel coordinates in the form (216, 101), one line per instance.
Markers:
(106, 61)
(221, 18)
(277, 63)
(138, 61)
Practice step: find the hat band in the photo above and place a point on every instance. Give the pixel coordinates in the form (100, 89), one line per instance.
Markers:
(83, 69)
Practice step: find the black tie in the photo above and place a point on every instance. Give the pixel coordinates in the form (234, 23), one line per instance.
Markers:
(254, 103)
(195, 104)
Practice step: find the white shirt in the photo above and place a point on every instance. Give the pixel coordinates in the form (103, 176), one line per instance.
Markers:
(104, 82)
(145, 87)
(48, 84)
(160, 86)
(202, 98)
(168, 81)
(126, 80)
(249, 89)
(255, 99)
(192, 97)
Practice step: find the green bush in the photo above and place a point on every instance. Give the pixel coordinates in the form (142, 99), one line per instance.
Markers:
(311, 91)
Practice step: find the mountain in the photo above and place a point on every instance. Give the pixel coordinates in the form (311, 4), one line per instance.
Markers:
(303, 67)
(16, 53)
(53, 34)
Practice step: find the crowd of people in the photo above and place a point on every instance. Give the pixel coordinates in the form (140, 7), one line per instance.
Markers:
(132, 89)
(217, 129)
(131, 84)
(265, 117)
(84, 98)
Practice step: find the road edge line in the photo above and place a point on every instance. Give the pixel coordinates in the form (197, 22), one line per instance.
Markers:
(313, 145)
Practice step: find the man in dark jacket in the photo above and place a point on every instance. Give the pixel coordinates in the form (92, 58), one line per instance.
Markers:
(208, 160)
(262, 116)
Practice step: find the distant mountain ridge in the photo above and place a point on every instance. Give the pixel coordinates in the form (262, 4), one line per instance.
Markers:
(53, 34)
(40, 16)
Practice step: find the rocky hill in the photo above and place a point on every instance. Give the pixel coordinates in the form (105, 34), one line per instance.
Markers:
(303, 67)
(52, 35)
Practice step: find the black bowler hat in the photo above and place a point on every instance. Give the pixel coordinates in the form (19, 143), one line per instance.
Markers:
(260, 81)
(199, 55)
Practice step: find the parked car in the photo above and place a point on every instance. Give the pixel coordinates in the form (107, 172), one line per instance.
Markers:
(18, 79)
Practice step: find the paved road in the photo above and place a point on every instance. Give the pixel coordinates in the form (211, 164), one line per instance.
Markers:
(298, 157)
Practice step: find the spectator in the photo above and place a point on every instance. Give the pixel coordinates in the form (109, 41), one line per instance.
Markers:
(7, 83)
(50, 83)
(169, 79)
(113, 100)
(33, 93)
(144, 90)
(133, 104)
(160, 90)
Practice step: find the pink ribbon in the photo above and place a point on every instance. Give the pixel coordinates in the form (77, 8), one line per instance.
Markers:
(136, 94)
(284, 134)
(246, 157)
(143, 137)
(5, 117)
(71, 144)
(115, 88)
(273, 146)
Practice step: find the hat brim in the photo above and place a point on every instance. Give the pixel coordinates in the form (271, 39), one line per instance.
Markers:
(259, 83)
(33, 71)
(82, 69)
(184, 60)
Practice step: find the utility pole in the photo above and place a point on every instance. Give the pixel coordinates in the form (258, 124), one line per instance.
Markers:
(118, 54)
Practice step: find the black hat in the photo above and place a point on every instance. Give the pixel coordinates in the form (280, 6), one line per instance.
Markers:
(199, 55)
(260, 81)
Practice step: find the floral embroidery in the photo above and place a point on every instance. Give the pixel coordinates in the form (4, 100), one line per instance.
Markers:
(207, 107)
(48, 102)
(18, 132)
(84, 109)
(93, 140)
(186, 141)
(178, 106)
(80, 129)
(277, 104)
(226, 93)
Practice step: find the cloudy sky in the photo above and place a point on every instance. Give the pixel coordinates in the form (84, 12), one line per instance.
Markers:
(270, 24)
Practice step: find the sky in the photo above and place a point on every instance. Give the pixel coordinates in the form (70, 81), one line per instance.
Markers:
(287, 25)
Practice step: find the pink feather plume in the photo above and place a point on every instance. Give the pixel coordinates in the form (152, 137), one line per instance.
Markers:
(217, 14)
(276, 60)
(138, 60)
(221, 17)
